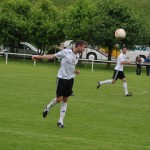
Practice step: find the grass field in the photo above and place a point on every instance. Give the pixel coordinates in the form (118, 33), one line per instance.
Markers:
(96, 119)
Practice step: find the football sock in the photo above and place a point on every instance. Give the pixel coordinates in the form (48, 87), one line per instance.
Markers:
(52, 103)
(106, 82)
(125, 88)
(63, 108)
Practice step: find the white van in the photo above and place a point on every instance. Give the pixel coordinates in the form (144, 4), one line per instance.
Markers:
(89, 53)
(93, 54)
(142, 51)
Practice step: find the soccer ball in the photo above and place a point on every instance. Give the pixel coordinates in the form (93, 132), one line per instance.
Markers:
(120, 33)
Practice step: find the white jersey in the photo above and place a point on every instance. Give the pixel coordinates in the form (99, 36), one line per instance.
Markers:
(120, 59)
(68, 62)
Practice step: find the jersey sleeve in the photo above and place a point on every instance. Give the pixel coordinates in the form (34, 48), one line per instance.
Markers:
(60, 54)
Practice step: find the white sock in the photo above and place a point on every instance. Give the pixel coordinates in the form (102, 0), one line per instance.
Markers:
(63, 108)
(125, 88)
(52, 103)
(106, 82)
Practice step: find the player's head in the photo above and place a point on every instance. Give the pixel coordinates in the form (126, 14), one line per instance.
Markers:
(80, 46)
(124, 50)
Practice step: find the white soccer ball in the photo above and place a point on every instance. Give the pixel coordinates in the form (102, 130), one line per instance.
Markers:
(120, 33)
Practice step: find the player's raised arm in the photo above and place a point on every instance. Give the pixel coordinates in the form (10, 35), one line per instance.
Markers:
(125, 62)
(51, 56)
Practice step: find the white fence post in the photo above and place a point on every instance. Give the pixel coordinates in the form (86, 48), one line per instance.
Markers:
(34, 62)
(92, 64)
(6, 58)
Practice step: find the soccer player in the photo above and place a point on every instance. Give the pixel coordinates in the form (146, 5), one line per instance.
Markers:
(65, 77)
(118, 73)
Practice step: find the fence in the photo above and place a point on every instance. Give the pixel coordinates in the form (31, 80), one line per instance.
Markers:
(34, 62)
(85, 60)
(24, 56)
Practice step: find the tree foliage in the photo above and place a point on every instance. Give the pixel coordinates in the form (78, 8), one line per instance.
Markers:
(77, 20)
(14, 22)
(45, 28)
(108, 18)
(41, 23)
(97, 23)
(37, 23)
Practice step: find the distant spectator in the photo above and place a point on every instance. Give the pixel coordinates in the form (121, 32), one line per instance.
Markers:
(138, 62)
(147, 63)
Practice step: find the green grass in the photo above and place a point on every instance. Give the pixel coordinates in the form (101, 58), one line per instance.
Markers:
(96, 119)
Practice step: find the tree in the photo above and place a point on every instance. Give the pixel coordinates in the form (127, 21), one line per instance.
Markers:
(107, 19)
(14, 22)
(77, 20)
(46, 28)
(97, 24)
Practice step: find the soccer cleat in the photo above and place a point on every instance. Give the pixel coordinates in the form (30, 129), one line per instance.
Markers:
(60, 125)
(129, 94)
(98, 85)
(45, 112)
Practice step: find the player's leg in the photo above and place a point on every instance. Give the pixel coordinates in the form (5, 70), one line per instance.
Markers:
(121, 76)
(59, 95)
(124, 82)
(52, 103)
(125, 87)
(110, 81)
(63, 106)
(63, 109)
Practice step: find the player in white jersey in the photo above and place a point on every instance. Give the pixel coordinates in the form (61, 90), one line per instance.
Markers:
(118, 73)
(65, 77)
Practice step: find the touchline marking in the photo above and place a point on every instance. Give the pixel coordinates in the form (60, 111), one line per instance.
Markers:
(141, 92)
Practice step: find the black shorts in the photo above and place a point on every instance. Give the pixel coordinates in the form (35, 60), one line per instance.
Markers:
(118, 74)
(64, 87)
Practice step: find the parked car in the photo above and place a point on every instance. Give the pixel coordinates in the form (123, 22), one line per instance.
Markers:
(24, 49)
